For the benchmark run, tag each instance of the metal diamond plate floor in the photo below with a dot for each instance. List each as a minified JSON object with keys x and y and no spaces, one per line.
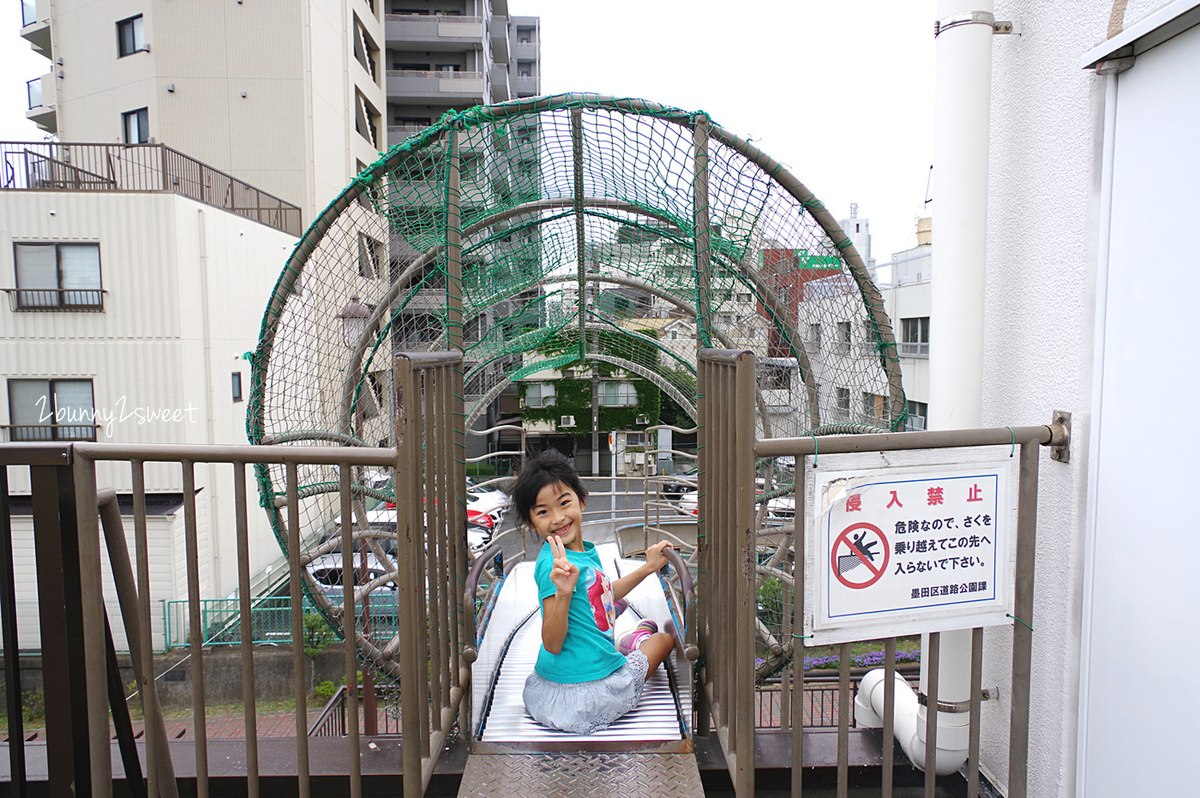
{"x":584,"y":774}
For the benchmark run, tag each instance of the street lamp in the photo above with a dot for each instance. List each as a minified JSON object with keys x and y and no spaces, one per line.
{"x":354,"y":321}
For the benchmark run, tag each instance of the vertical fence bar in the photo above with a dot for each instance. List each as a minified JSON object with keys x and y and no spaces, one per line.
{"x":799,"y":540}
{"x":61,"y":634}
{"x":299,"y":669}
{"x":465,"y":625}
{"x":12,"y":668}
{"x":195,"y":627}
{"x":744,"y":473}
{"x":931,"y":711}
{"x":420,"y":629}
{"x":246,"y":610}
{"x":445,"y":582}
{"x":976,"y":694}
{"x":705,"y":584}
{"x":94,"y":620}
{"x":889,"y":715}
{"x":843,"y":727}
{"x":408,"y":450}
{"x":435,"y":506}
{"x":1018,"y":740}
{"x":349,"y":634}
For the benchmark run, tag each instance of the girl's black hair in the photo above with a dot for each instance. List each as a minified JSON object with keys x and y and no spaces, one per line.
{"x":551,"y":467}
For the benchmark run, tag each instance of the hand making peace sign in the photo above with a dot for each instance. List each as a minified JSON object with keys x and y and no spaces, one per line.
{"x":563,"y":573}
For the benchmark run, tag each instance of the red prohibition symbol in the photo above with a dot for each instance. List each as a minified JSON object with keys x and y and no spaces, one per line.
{"x":858,"y":560}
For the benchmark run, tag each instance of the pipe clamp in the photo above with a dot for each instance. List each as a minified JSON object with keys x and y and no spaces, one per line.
{"x":951,"y":707}
{"x":975,"y":18}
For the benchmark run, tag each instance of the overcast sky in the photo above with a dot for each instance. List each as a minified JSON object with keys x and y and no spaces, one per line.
{"x":840,"y":92}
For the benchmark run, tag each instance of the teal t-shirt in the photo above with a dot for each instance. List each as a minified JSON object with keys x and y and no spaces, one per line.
{"x":588,"y":650}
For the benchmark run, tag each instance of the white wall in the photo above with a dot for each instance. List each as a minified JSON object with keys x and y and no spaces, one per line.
{"x":1038,"y":347}
{"x":186,"y":288}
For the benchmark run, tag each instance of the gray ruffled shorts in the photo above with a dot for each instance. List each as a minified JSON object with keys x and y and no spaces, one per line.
{"x":586,"y":707}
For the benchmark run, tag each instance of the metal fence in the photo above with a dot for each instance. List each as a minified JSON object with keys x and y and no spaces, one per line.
{"x":728,"y":446}
{"x":57,"y":166}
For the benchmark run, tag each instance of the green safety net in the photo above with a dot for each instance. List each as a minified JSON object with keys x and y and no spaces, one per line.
{"x":590,"y":231}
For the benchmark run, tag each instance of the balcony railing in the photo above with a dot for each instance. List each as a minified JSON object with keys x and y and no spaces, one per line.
{"x":55,"y":299}
{"x":914,"y":349}
{"x":55,"y":166}
{"x":434,"y":73}
{"x":32,"y":433}
{"x":33,"y":89}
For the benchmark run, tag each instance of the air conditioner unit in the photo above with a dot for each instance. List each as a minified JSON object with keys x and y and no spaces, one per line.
{"x":566,"y":421}
{"x":641,"y":420}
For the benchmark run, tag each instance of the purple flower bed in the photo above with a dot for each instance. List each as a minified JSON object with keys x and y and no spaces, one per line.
{"x":871,"y":659}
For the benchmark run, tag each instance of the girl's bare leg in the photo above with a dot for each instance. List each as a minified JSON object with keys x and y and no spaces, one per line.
{"x":657,"y":647}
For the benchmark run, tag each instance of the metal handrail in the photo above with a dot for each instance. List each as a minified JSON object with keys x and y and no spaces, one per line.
{"x":55,"y":299}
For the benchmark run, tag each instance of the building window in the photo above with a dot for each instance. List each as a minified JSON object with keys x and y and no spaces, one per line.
{"x":539,"y":394}
{"x":814,"y":337}
{"x":917,"y":413}
{"x":774,"y":376}
{"x":236,"y":384}
{"x":130,"y":37}
{"x":135,"y":126}
{"x":366,"y":119}
{"x":51,"y":410}
{"x":841,"y":400}
{"x":524,"y":35}
{"x":874,"y":407}
{"x":370,"y":255}
{"x":843,"y":338}
{"x":914,"y":337}
{"x":618,"y":394}
{"x":57,"y":277}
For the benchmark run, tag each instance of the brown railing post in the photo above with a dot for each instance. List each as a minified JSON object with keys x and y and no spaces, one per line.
{"x":726,"y":512}
{"x":12,"y":669}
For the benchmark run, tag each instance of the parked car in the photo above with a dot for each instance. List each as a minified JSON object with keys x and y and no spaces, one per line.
{"x":781,"y":508}
{"x":673,"y":487}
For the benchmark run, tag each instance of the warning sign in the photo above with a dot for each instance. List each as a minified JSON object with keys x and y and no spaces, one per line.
{"x":924,"y":541}
{"x":850,"y":551}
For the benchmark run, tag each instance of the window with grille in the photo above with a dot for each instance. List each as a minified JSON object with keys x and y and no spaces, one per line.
{"x":57,"y":277}
{"x":51,"y":410}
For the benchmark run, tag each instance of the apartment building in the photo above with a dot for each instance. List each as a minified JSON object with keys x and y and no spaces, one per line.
{"x":286,"y":97}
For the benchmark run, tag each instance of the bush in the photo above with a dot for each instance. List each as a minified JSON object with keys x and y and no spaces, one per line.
{"x":325,"y":691}
{"x":317,"y":634}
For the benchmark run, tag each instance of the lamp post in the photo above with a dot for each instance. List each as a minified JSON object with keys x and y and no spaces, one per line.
{"x":354,"y":323}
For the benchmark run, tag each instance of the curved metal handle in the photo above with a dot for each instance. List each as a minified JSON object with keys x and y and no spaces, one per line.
{"x":469,"y":652}
{"x":690,"y":650}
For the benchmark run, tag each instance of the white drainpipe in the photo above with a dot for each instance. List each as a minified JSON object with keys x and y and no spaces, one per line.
{"x":962,"y":115}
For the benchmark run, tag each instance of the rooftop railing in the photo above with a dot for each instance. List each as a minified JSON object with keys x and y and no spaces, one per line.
{"x":57,"y":166}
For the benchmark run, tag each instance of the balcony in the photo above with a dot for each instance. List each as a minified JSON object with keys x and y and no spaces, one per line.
{"x":57,"y":166}
{"x":434,"y":32}
{"x":499,"y":34}
{"x":50,"y":299}
{"x":411,"y":84}
{"x":524,"y":86}
{"x":500,"y":88}
{"x":41,"y":433}
{"x":35,"y":25}
{"x":914,"y":349}
{"x":399,"y":133}
{"x":525,"y":50}
{"x":43,"y":98}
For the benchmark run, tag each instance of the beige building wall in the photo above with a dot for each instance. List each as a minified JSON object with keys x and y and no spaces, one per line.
{"x":185,"y":287}
{"x":266,"y":92}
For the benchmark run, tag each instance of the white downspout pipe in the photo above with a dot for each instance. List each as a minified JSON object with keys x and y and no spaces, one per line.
{"x":962,"y":117}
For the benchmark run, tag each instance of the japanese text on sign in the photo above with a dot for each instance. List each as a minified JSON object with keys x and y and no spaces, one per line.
{"x":913,"y":546}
